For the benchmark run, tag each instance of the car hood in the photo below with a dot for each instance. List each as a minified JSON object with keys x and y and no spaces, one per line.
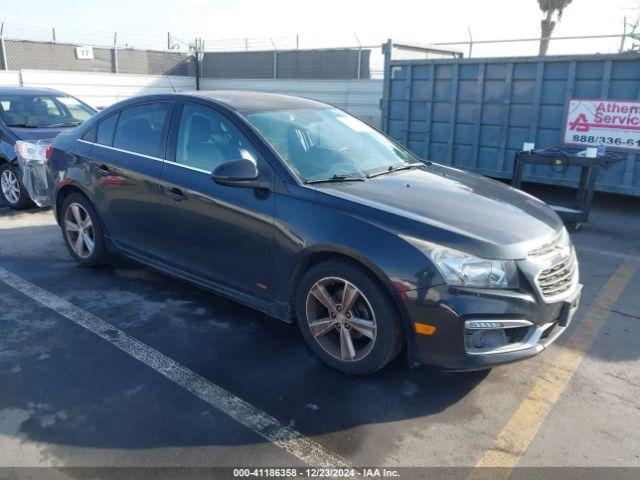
{"x":38,"y":133}
{"x":451,"y":207}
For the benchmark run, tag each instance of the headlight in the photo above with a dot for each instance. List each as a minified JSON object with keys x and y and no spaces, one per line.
{"x":463,"y":269}
{"x":34,"y":151}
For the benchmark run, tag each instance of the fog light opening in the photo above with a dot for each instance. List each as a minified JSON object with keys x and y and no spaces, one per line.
{"x":488,"y":336}
{"x":477,"y":339}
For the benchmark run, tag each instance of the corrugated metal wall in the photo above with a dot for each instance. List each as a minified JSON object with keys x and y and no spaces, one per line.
{"x":476,"y":113}
{"x":358,"y":97}
{"x":98,"y":89}
{"x":9,"y":79}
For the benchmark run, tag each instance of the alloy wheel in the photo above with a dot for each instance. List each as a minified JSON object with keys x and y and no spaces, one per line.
{"x":341,"y":319}
{"x":78,"y":228}
{"x":10,"y":186}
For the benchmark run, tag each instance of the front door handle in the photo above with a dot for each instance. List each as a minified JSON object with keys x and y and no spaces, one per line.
{"x":176,"y":195}
{"x":104,"y":170}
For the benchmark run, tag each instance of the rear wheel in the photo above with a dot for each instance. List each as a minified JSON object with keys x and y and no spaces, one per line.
{"x":83,"y":232}
{"x":347,"y":318}
{"x":13,"y":192}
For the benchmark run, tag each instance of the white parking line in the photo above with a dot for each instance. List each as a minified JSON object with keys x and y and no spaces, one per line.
{"x":263,"y":424}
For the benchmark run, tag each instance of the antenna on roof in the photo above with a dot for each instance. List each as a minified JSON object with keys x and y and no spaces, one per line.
{"x":172,"y":87}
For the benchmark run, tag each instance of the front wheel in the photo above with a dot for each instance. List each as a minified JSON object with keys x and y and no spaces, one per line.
{"x":347,"y":318}
{"x":13,"y":192}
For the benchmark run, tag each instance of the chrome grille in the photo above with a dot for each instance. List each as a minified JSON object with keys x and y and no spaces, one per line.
{"x":544,"y":249}
{"x":558,"y":278}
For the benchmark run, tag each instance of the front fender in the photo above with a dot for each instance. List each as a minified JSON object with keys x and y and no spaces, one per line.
{"x":306,"y":227}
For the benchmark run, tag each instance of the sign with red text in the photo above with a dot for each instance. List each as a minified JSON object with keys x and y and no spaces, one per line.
{"x":612,"y":123}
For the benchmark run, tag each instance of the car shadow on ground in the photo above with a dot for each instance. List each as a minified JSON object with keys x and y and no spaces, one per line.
{"x":6,"y":211}
{"x":72,"y":385}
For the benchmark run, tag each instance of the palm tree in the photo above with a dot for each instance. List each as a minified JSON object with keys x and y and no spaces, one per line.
{"x":549,"y":8}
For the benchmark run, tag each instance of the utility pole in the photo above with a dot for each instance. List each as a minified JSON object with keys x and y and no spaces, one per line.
{"x":624,"y":35}
{"x":275,"y":58}
{"x":198,"y":55}
{"x":115,"y":52}
{"x":3,"y":52}
{"x":359,"y":69}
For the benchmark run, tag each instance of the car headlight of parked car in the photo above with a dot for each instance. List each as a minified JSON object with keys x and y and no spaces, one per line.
{"x":465,"y":270}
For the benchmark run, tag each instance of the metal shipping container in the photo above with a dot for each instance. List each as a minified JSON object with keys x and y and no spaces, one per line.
{"x":476,"y":113}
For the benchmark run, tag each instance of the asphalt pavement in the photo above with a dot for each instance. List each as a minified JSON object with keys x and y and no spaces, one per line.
{"x":124,"y":366}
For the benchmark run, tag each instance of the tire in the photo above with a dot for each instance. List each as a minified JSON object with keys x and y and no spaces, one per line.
{"x":372,"y":303}
{"x":75,"y":204}
{"x":12,"y":187}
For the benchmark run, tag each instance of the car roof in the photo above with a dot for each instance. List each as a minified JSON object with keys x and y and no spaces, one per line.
{"x":245,"y":101}
{"x":29,"y":91}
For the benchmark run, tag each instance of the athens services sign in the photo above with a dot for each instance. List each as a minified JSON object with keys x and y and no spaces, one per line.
{"x":613,"y":123}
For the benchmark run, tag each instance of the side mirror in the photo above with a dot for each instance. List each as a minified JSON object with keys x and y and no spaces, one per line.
{"x":236,"y":173}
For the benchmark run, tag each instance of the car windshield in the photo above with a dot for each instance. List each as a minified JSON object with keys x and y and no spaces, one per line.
{"x":43,"y":111}
{"x":327,"y":143}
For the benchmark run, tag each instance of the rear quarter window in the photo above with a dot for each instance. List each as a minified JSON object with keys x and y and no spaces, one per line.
{"x":91,"y":134}
{"x":105,"y":130}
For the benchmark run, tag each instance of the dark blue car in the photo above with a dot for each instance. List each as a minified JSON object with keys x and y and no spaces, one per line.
{"x":300,"y":210}
{"x":30,"y":115}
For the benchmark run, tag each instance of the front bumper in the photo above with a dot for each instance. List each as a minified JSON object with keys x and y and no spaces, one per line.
{"x":459,"y":314}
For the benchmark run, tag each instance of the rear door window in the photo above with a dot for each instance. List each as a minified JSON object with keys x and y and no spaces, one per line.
{"x":140,"y":128}
{"x":105,"y":130}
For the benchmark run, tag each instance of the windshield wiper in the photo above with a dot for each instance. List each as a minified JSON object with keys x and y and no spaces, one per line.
{"x":396,"y":168}
{"x":21,"y":125}
{"x":54,"y":125}
{"x":337,"y":178}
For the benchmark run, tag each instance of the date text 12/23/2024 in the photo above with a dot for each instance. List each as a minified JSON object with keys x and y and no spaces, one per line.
{"x":311,"y":472}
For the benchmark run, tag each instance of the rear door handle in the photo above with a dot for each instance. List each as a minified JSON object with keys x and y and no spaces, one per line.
{"x":177,"y":195}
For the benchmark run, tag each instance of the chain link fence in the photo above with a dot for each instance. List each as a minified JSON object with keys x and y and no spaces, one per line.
{"x":153,"y":62}
{"x":37,"y":48}
{"x":329,"y":57}
{"x":340,"y":64}
{"x":33,"y":55}
{"x":25,"y":47}
{"x":340,"y":57}
{"x":28,"y":55}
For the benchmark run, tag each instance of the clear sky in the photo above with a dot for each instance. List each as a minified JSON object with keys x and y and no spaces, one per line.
{"x":320,"y":21}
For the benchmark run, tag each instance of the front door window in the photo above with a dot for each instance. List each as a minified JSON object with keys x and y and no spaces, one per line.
{"x":206,"y":139}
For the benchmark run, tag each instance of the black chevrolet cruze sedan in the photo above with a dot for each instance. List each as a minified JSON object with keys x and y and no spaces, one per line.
{"x":300,"y":210}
